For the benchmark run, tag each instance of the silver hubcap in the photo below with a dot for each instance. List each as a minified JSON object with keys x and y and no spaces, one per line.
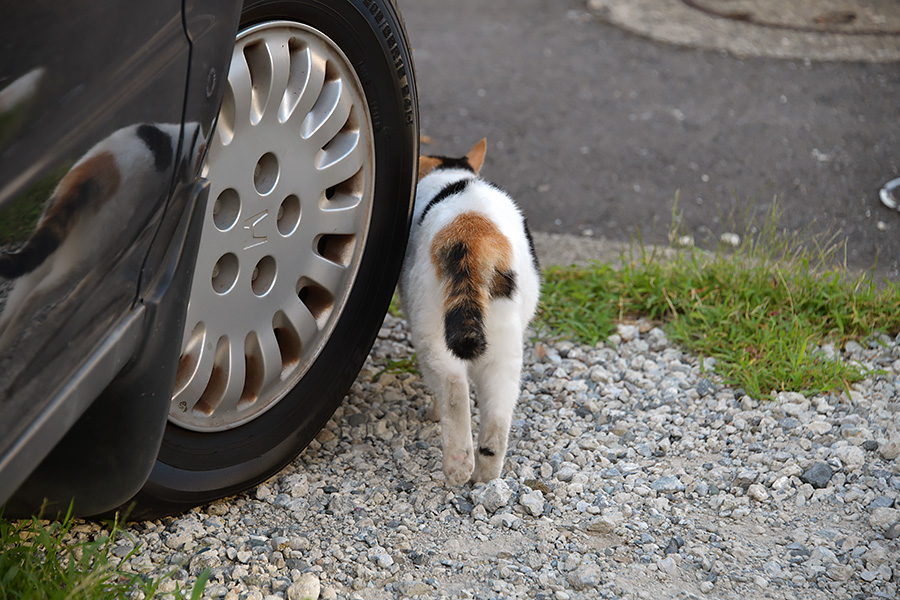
{"x":291,"y":167}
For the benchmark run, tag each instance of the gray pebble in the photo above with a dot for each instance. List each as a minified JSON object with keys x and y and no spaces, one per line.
{"x":818,"y":475}
{"x":493,"y":495}
{"x":705,"y":387}
{"x":667,"y":484}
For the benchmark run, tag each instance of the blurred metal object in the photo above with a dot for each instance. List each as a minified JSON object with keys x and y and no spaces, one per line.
{"x":888,"y":194}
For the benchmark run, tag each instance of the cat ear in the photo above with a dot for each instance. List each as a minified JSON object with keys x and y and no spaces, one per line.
{"x":476,"y":155}
{"x":426,"y":165}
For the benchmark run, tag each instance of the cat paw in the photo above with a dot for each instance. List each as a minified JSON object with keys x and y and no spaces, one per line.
{"x":458,"y":468}
{"x":488,"y":468}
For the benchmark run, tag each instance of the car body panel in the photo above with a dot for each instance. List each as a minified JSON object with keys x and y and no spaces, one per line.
{"x":130,"y":63}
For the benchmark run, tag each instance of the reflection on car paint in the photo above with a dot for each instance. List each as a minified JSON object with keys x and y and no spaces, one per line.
{"x":90,"y":215}
{"x":14,"y":102}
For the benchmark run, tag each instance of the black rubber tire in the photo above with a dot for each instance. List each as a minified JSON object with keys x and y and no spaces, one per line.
{"x":195,"y":468}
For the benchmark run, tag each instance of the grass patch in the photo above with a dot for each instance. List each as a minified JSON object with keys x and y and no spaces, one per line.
{"x":762,"y":310}
{"x":41,"y":560}
{"x":395,"y":367}
{"x":22,"y":215}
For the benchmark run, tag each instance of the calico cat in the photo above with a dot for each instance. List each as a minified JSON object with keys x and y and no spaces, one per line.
{"x":91,"y":213}
{"x":469,"y":287}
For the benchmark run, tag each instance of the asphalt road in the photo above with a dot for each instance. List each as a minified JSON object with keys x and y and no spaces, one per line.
{"x":596,"y":131}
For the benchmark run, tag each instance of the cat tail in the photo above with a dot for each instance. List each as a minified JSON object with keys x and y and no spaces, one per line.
{"x":473,"y":259}
{"x":88,"y":183}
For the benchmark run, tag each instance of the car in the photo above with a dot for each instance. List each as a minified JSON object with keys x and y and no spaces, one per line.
{"x":204,"y":208}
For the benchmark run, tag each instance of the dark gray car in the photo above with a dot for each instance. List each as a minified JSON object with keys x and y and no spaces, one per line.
{"x":203,"y":212}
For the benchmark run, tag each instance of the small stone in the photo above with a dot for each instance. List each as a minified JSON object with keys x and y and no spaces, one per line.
{"x":674,"y":545}
{"x":122,"y":549}
{"x":205,"y":560}
{"x":731,"y":239}
{"x":357,"y":419}
{"x":566,"y":472}
{"x":705,"y":387}
{"x":493,"y":495}
{"x":585,"y":577}
{"x":533,"y":503}
{"x":657,"y":339}
{"x":852,"y":457}
{"x":893,"y":532}
{"x":382,"y":559}
{"x":882,"y":518}
{"x":706,"y":586}
{"x":818,"y":475}
{"x":307,"y":587}
{"x":839,"y":572}
{"x":818,"y":427}
{"x":758,"y":492}
{"x":868,"y":575}
{"x":507,"y":520}
{"x":882,"y":502}
{"x":604,"y":524}
{"x":788,"y":423}
{"x":667,"y":565}
{"x":479,"y":513}
{"x":263,"y":492}
{"x":772,"y":569}
{"x":340,"y":505}
{"x":667,"y":485}
{"x":823,"y":555}
{"x":627,"y":332}
{"x":745,"y":477}
{"x":875,"y":555}
{"x":890,"y":448}
{"x":463,"y":506}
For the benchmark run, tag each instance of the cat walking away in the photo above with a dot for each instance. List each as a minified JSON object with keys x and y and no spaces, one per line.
{"x":469,"y":287}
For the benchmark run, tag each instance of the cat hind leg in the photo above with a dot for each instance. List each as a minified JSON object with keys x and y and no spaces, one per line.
{"x":451,"y":389}
{"x":497,"y":386}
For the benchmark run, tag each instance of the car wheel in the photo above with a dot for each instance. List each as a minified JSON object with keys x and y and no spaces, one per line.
{"x":311,"y":171}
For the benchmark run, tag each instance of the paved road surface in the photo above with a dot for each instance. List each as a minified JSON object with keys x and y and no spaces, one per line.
{"x":596,"y":131}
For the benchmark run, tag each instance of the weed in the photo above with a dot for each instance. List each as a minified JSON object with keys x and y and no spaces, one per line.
{"x":43,"y":560}
{"x":762,"y":311}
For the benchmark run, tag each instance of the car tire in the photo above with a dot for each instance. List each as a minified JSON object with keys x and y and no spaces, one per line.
{"x":207,"y":454}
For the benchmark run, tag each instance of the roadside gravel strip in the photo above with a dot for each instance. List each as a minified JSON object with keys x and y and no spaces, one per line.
{"x":631,"y":473}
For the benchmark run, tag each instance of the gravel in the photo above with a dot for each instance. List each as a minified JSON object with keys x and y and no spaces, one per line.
{"x":632,"y":472}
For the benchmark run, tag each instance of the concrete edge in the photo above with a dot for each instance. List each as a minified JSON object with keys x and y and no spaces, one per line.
{"x":675,"y":23}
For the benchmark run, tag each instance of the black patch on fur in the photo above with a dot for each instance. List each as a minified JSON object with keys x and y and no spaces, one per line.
{"x":451,"y":189}
{"x":454,"y":163}
{"x":464,"y":331}
{"x":159,"y":143}
{"x":464,"y":322}
{"x":534,"y":258}
{"x":503,"y":285}
{"x":454,"y":266}
{"x":49,"y":234}
{"x":486,"y":451}
{"x":41,"y":245}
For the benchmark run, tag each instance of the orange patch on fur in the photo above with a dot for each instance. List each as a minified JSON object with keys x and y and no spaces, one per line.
{"x":426,"y":165}
{"x":487,"y":247}
{"x":104,"y":172}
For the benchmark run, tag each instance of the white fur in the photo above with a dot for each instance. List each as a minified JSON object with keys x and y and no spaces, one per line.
{"x":495,"y":374}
